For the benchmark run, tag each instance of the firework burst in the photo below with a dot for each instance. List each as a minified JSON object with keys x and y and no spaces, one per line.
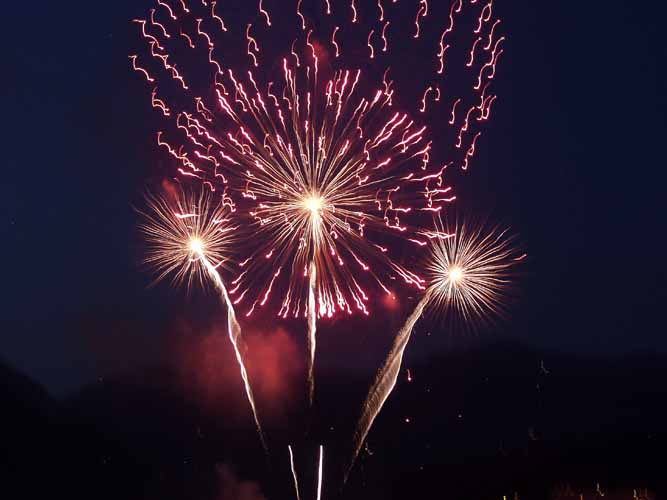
{"x":471,"y":271}
{"x":331,"y":170}
{"x":179,"y":232}
{"x":330,"y":173}
{"x":327,"y":177}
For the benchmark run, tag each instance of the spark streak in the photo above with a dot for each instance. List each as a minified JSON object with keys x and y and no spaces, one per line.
{"x":385,"y":42}
{"x":333,"y":40}
{"x":319,"y":474}
{"x":296,"y":482}
{"x":141,"y":70}
{"x":264,"y":13}
{"x":370,"y":44}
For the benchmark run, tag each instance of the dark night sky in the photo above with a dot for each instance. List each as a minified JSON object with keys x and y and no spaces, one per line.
{"x":573,"y":161}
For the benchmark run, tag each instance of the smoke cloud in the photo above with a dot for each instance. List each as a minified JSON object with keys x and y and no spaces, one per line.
{"x":232,"y":487}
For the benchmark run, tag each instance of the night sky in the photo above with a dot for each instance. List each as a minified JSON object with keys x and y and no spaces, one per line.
{"x":115,"y":389}
{"x":573,"y":161}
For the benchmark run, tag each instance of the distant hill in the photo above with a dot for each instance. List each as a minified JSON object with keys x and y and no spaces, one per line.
{"x":474,"y":425}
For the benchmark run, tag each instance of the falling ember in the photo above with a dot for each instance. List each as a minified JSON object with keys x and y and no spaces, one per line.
{"x":190,"y":239}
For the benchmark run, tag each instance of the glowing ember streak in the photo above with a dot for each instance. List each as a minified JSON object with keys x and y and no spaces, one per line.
{"x":420,"y":13}
{"x":300,"y":14}
{"x":333,"y":40}
{"x":426,"y":92}
{"x":203,"y":34}
{"x":264,"y":13}
{"x":187,"y":37}
{"x":184,"y":239}
{"x":291,"y":461}
{"x":159,"y":25}
{"x":168,"y":8}
{"x":472,"y":52}
{"x":141,"y":70}
{"x":370,"y":45}
{"x":453,"y":119}
{"x":441,"y":58}
{"x":469,"y":274}
{"x":384,"y":37}
{"x":217,"y":17}
{"x":471,"y":151}
{"x":159,"y":103}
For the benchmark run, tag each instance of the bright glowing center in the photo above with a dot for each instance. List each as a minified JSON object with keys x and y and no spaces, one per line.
{"x":196,"y":245}
{"x":314,"y":205}
{"x":455,"y":274}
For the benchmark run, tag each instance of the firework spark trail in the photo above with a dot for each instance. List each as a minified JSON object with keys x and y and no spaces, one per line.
{"x":319,"y":473}
{"x":184,"y":237}
{"x":234,"y":330}
{"x":385,"y":380}
{"x":296,"y":482}
{"x":469,"y":273}
{"x":312,"y":330}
